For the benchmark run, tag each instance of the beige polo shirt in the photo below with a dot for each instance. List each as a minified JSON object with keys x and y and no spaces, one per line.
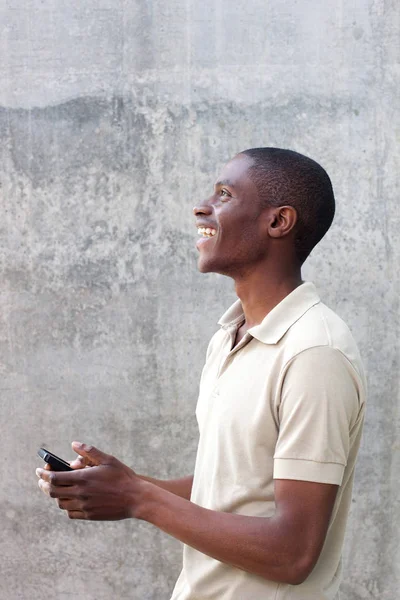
{"x":286,"y":403}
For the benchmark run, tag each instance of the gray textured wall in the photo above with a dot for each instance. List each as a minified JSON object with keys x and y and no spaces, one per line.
{"x":114,"y":117}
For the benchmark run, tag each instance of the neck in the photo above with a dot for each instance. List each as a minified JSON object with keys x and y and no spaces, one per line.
{"x":259,"y":292}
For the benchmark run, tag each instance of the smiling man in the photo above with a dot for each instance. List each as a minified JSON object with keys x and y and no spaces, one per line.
{"x":280,"y":409}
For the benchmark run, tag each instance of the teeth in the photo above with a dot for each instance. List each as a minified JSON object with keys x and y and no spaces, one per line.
{"x":206,"y":231}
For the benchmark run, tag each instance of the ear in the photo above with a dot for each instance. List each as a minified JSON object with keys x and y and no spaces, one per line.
{"x":282,"y":221}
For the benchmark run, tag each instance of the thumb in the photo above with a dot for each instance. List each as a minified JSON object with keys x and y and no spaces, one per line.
{"x":93,"y":457}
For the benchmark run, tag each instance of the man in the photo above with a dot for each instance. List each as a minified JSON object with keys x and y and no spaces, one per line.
{"x":280,"y":408}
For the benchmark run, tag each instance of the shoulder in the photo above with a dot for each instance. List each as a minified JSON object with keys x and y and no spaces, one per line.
{"x":322,"y":337}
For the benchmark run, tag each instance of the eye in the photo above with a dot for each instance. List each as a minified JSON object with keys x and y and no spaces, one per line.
{"x":224,"y":194}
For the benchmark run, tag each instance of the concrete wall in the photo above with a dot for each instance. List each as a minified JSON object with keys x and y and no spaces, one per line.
{"x":114,"y":117}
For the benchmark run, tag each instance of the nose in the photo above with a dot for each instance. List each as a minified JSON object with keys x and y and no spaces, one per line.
{"x":202,"y":209}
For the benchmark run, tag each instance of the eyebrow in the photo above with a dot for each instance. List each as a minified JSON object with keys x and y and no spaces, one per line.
{"x":224,"y":182}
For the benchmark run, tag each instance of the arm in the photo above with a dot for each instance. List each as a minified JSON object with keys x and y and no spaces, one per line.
{"x":180,"y":487}
{"x":283,"y":548}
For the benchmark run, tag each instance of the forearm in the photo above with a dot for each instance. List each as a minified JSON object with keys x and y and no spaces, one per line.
{"x":180,"y":487}
{"x":263,"y":546}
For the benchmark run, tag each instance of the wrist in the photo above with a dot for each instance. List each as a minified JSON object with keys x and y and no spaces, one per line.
{"x":144,"y":500}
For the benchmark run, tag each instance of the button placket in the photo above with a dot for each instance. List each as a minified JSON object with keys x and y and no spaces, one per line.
{"x":228,"y":358}
{"x":228,"y":344}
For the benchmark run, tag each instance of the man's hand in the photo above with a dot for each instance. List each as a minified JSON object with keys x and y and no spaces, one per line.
{"x":108,"y":490}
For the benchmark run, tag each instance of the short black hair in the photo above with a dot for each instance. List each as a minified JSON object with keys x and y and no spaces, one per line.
{"x":287,"y":178}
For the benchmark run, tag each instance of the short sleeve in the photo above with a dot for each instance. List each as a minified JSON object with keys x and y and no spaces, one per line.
{"x":318,"y":407}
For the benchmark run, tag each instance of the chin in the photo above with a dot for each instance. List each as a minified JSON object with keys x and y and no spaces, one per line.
{"x":203,"y":267}
{"x":208,"y":266}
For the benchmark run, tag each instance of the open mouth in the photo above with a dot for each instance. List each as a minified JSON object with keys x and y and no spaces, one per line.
{"x":206,"y":232}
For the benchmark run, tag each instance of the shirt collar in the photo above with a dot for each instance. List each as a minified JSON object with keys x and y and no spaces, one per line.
{"x":277,"y":322}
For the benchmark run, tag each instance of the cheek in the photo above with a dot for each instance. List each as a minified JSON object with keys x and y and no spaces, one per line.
{"x":249,"y":234}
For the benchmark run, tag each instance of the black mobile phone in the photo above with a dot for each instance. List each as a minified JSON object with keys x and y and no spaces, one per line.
{"x":56,"y":463}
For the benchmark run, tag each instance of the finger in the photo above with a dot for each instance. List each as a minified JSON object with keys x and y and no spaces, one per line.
{"x":80,"y":463}
{"x":70,"y":503}
{"x":76,"y":514}
{"x":58,"y":478}
{"x":93,"y":456}
{"x":43,"y":486}
{"x":65,"y":492}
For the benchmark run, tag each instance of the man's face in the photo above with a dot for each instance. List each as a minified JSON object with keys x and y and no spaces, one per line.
{"x":233,"y":238}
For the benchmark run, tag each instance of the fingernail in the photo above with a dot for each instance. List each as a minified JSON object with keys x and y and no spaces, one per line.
{"x":39,"y":472}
